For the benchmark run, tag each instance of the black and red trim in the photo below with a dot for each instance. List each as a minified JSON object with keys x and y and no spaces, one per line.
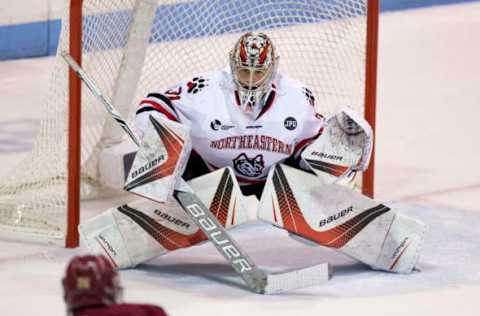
{"x":222,"y":197}
{"x":330,"y":168}
{"x":171,"y":239}
{"x":168,"y":238}
{"x":301,"y":145}
{"x":160,"y":103}
{"x":294,"y":221}
{"x":173,"y":145}
{"x":165,"y":99}
{"x":148,"y":105}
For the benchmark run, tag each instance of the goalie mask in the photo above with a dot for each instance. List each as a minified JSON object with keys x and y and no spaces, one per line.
{"x":90,"y":281}
{"x":253,"y":63}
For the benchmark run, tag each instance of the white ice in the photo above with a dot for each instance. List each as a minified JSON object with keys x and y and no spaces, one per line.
{"x":427,"y":152}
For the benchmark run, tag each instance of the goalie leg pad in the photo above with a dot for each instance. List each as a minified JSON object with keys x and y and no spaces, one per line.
{"x":131,"y":234}
{"x":119,"y":238}
{"x":402,"y":245}
{"x":101,"y":235}
{"x":391,"y":242}
{"x":337,"y":217}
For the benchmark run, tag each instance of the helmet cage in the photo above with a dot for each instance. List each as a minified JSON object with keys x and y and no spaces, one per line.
{"x":253,"y":64}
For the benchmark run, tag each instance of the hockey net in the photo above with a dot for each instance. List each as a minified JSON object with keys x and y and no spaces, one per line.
{"x":131,"y":47}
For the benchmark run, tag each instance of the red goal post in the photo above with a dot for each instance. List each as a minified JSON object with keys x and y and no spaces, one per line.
{"x":371,"y":87}
{"x":74,"y":126}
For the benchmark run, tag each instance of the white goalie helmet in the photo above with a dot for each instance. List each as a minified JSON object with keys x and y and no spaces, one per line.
{"x":253,"y":63}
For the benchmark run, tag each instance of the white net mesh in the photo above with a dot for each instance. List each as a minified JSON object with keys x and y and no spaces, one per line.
{"x":320,"y":42}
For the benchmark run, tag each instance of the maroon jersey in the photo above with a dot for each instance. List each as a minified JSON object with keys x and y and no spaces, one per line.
{"x":122,"y":310}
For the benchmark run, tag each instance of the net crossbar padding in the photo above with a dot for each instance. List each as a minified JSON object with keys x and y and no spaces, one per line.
{"x":133,"y":47}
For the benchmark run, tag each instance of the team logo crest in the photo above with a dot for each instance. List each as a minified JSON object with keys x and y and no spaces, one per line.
{"x":290,"y":123}
{"x":309,"y":95}
{"x":250,"y":167}
{"x":197,"y":84}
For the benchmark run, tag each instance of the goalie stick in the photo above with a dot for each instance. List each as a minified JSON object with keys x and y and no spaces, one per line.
{"x":257,"y":279}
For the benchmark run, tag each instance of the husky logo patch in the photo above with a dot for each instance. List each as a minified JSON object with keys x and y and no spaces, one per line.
{"x":250,"y":167}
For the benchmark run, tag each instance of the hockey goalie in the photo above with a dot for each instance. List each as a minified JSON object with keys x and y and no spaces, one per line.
{"x":250,"y":130}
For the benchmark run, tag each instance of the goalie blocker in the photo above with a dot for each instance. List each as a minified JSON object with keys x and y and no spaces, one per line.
{"x":335,"y":216}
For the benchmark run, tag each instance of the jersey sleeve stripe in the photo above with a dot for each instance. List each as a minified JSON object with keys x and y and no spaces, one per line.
{"x":163,"y":98}
{"x":156,"y":107}
{"x":305,"y":142}
{"x":156,"y":103}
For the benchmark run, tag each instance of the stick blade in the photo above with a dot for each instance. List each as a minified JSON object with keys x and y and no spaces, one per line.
{"x":298,"y":278}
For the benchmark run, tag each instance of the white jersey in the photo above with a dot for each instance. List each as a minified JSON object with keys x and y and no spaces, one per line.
{"x":224,"y":136}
